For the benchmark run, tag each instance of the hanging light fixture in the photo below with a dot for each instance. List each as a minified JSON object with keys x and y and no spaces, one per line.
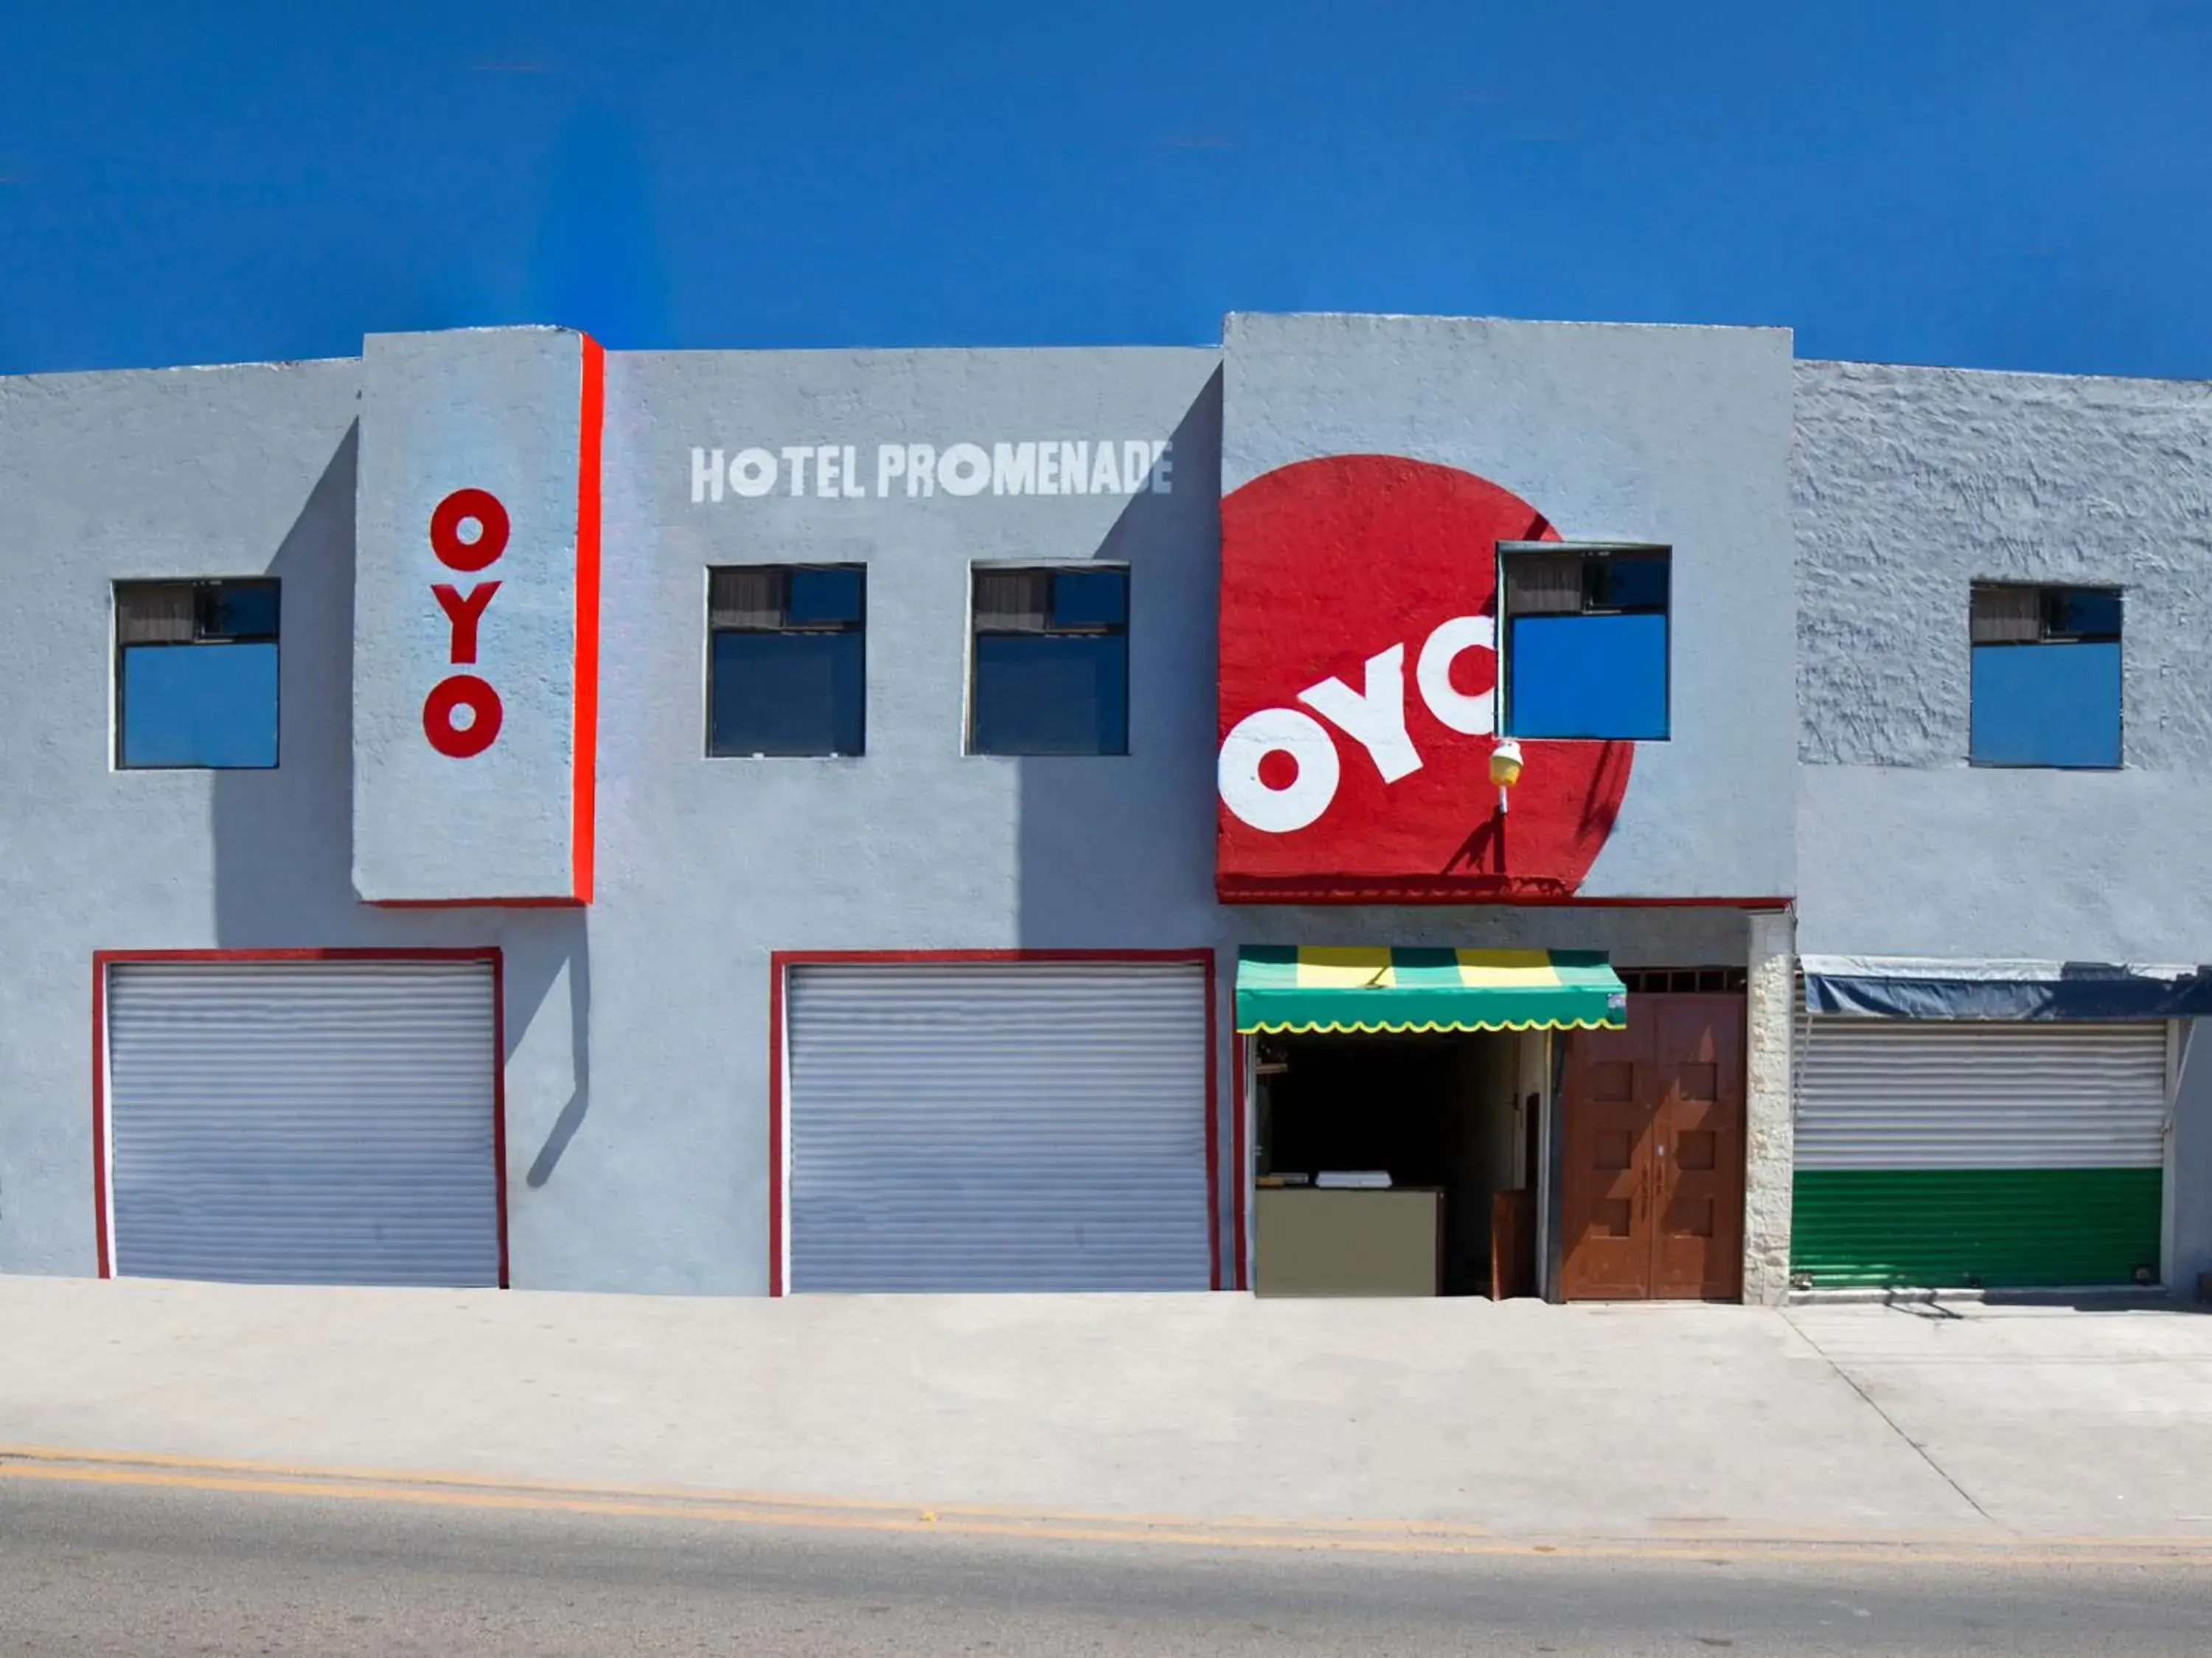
{"x":1505,"y":764}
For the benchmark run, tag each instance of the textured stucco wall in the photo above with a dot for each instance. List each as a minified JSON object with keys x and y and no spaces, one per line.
{"x":184,"y":473}
{"x":1678,"y":435}
{"x":496,"y":409}
{"x":705,"y":866}
{"x":636,"y":1075}
{"x":1909,"y":485}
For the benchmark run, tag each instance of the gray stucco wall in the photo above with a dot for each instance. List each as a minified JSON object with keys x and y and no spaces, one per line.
{"x":184,"y":473}
{"x":637,"y":1071}
{"x":1909,"y":485}
{"x":636,"y":1075}
{"x":497,"y":409}
{"x":1670,"y":434}
{"x":705,"y":866}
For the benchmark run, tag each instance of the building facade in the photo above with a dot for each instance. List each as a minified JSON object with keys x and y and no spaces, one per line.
{"x":1389,"y":805}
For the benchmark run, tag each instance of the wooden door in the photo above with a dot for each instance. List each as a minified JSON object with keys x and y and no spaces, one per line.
{"x":1696,"y":1164}
{"x":1651,"y":1199}
{"x":1605,"y":1204}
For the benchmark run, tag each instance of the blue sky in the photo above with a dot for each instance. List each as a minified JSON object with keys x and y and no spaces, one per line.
{"x":2002,"y":185}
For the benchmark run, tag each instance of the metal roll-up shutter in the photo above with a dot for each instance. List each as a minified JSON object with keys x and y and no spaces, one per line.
{"x":1938,"y":1153}
{"x":303,"y":1122}
{"x":998,"y":1126}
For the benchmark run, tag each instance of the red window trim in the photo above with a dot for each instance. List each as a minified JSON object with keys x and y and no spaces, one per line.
{"x":103,"y":959}
{"x":781,"y":961}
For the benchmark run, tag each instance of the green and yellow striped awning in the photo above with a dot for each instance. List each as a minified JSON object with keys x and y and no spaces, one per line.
{"x":1318,"y":988}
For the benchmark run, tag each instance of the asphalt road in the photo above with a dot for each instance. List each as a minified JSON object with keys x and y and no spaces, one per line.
{"x":89,"y":1568}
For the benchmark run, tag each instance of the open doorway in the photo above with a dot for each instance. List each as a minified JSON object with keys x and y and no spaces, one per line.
{"x":1402,"y":1164}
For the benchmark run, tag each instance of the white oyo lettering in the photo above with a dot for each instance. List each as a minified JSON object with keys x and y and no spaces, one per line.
{"x":1278,"y":731}
{"x":1375,"y":717}
{"x":1474,"y":716}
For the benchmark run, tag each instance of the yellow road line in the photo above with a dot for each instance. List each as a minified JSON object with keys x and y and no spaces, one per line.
{"x":443,"y":1477}
{"x":1407,"y":1538}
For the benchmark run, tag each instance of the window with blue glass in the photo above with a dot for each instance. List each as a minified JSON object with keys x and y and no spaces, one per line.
{"x":2046,"y":676}
{"x":1585,"y":651}
{"x":786,"y":663}
{"x":195,"y":681}
{"x":1051,"y":662}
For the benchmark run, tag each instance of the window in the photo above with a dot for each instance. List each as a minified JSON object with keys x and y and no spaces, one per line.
{"x":196,"y":674}
{"x":2046,"y":676}
{"x":787,"y":669}
{"x":1677,"y":981}
{"x":1585,"y":647}
{"x":1051,"y":662}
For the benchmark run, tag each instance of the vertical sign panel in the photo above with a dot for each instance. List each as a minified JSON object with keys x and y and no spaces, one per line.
{"x":476,"y":617}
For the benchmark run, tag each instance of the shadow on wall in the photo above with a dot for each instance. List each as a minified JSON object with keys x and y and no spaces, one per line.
{"x":1117,"y":851}
{"x":282,"y":839}
{"x":2192,"y":1168}
{"x":530,"y":978}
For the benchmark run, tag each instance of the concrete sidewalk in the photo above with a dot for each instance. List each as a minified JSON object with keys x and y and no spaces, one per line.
{"x":1842,"y":1422}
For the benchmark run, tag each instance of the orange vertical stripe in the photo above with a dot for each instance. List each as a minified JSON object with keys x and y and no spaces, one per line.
{"x":582,"y":828}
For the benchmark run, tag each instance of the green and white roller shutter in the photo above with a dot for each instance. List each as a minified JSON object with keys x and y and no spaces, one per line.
{"x":1971,"y":1153}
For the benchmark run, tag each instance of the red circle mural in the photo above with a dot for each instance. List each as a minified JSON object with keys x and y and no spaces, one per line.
{"x":1358,"y":668}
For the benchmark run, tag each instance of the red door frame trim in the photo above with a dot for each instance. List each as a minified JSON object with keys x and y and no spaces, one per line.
{"x":103,"y":959}
{"x":781,"y":961}
{"x":1242,"y":1153}
{"x":1213,"y":1139}
{"x":1459,"y":891}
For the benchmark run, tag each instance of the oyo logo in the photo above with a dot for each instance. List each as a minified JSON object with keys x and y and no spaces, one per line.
{"x":1359,"y":664}
{"x":1373,"y":716}
{"x":468,"y":533}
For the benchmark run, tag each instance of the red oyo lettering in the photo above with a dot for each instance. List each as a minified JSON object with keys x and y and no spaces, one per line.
{"x":480,"y":507}
{"x":465,"y":611}
{"x":464,"y":616}
{"x":446,"y":698}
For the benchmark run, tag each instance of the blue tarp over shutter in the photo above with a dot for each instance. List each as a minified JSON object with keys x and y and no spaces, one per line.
{"x":1912,"y":987}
